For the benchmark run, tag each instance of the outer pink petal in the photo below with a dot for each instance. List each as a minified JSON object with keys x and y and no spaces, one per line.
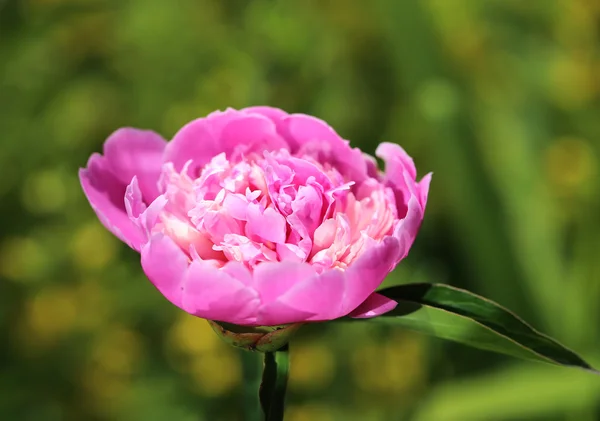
{"x":407,"y":228}
{"x":315,"y":298}
{"x":213,"y":294}
{"x":273,"y":279}
{"x":132,"y":152}
{"x":423,"y":188}
{"x":251,"y":132}
{"x":106,"y":194}
{"x":222,"y":131}
{"x":165,"y":265}
{"x":293,"y":292}
{"x":369,"y":271}
{"x":312,"y":135}
{"x":195,"y":141}
{"x":274,"y":114}
{"x":396,"y":159}
{"x":198,"y":288}
{"x":375,"y":305}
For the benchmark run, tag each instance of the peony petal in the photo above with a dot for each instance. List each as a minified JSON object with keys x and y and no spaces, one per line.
{"x":396,"y":160}
{"x":211,"y":293}
{"x":312,"y":136}
{"x":423,"y":188}
{"x":132,"y":152}
{"x":165,"y":265}
{"x":407,"y":228}
{"x":368,"y":271}
{"x":106,"y":196}
{"x":144,"y":217}
{"x":375,"y":305}
{"x":315,"y":298}
{"x":273,"y":279}
{"x":274,"y":114}
{"x":196,"y":142}
{"x":269,"y":225}
{"x":250,"y":133}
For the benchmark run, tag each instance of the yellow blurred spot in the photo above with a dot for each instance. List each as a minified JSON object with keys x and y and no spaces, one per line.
{"x":314,"y":366}
{"x":93,"y":246}
{"x":216,"y":374}
{"x":93,"y":307}
{"x":49,"y":315}
{"x":310,"y":412}
{"x":44,"y":192}
{"x":114,"y":357}
{"x":570,"y":163}
{"x":391,"y":368}
{"x":571,"y":82}
{"x":22,"y":259}
{"x":104,"y":391}
{"x":118,"y":351}
{"x":192,"y":335}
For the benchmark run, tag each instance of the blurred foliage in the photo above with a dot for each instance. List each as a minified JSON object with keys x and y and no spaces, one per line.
{"x":499,"y":98}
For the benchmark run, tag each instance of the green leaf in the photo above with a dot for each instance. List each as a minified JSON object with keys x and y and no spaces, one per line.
{"x":274,"y":384}
{"x":506,"y":394}
{"x":461,"y":316}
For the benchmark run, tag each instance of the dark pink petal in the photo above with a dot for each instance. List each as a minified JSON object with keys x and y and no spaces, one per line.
{"x":165,"y":265}
{"x":132,"y":152}
{"x":369,"y":271}
{"x":211,"y":293}
{"x":312,"y":136}
{"x":106,"y":196}
{"x":375,"y":305}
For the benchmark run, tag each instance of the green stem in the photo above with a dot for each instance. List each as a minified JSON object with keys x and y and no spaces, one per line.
{"x":251,"y":372}
{"x":274,"y":384}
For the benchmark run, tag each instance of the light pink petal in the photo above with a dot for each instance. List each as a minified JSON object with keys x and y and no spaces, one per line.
{"x":213,"y":294}
{"x":317,"y":298}
{"x":375,"y":305}
{"x":165,"y":265}
{"x":106,"y":193}
{"x":308,"y":209}
{"x":132,"y":152}
{"x":269,"y":225}
{"x":366,"y":273}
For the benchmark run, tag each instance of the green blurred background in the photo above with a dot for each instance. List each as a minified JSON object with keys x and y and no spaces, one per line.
{"x":499,"y":98}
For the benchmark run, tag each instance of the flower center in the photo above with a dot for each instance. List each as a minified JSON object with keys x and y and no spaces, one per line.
{"x":273,"y":207}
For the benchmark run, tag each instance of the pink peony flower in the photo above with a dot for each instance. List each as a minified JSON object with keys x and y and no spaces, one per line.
{"x":259,"y":217}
